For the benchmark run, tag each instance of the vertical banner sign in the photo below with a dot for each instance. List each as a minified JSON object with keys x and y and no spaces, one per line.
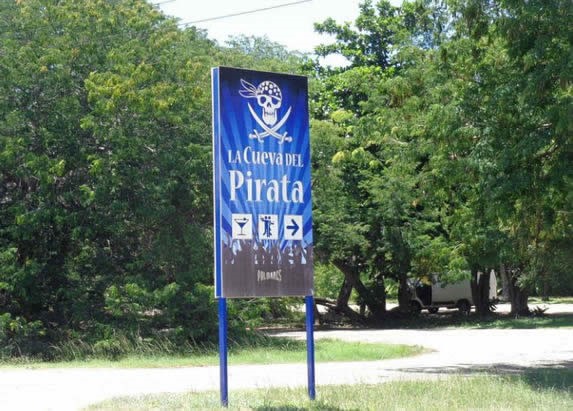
{"x":262,"y":187}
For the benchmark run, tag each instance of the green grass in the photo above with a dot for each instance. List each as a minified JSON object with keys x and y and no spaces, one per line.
{"x":325,"y":350}
{"x":551,"y":300}
{"x":549,"y":321}
{"x":501,"y":321}
{"x":282,"y":351}
{"x":536,"y":390}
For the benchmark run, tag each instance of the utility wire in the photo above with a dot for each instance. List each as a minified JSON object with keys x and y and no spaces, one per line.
{"x":163,"y":2}
{"x":244,"y":12}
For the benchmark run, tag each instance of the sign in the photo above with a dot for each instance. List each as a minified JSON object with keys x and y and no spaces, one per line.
{"x":262,"y":187}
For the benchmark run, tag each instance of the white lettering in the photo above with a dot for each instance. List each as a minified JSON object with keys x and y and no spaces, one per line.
{"x":269,"y":275}
{"x":259,"y":188}
{"x":297,"y":193}
{"x":265,"y":158}
{"x":284,"y":185}
{"x":274,"y":191}
{"x":249,"y":185}
{"x":246,"y":156}
{"x":237,"y":181}
{"x":234,"y":158}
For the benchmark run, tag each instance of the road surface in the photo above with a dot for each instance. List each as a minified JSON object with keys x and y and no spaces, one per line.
{"x":452,"y":351}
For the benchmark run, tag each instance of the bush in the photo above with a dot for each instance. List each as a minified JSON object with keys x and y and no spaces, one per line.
{"x":18,"y":336}
{"x":327,"y":280}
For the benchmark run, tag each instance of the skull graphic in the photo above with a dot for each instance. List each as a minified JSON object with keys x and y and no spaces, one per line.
{"x":269,"y":97}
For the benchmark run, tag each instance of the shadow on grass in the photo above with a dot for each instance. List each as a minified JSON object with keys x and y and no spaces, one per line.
{"x":546,"y":321}
{"x":544,"y":376}
{"x":447,"y":318}
{"x":492,"y":321}
{"x":316,"y":405}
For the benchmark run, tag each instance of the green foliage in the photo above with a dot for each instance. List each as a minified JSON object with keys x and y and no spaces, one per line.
{"x":370,"y":44}
{"x":18,"y":335}
{"x":327,"y":280}
{"x":521,"y":128}
{"x":251,"y":52}
{"x":444,"y":146}
{"x":457,"y":118}
{"x":105,"y":171}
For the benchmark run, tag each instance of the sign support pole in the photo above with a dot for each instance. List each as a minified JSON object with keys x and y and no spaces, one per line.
{"x":309,"y":299}
{"x":223,"y":351}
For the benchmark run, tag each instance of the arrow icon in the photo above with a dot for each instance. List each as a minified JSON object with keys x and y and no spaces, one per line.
{"x":294,"y":227}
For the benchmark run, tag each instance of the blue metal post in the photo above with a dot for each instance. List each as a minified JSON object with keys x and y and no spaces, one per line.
{"x":310,"y":345}
{"x":223,"y":351}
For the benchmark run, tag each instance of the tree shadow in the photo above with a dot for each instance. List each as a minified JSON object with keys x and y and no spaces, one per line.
{"x":452,"y":318}
{"x":541,"y":376}
{"x":546,"y":378}
{"x":316,"y":405}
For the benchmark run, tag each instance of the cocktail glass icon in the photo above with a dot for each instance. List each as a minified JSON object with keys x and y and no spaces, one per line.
{"x":241,"y":222}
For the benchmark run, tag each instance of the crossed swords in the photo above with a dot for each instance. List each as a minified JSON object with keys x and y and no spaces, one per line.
{"x":270,"y":131}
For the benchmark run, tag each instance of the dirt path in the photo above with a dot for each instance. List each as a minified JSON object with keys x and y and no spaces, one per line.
{"x":455,"y":351}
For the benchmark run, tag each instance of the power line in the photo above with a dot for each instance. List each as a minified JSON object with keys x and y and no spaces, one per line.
{"x":244,"y":12}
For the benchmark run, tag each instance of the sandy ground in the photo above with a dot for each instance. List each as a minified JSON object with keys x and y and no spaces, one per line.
{"x":453,"y":351}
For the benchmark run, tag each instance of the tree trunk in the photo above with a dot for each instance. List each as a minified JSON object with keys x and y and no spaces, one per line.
{"x":480,"y":290}
{"x":517,"y":296}
{"x":344,"y":294}
{"x":483,"y":307}
{"x":505,"y":280}
{"x":404,"y":293}
{"x":347,"y":311}
{"x":352,"y":276}
{"x":317,"y":315}
{"x":519,"y":304}
{"x":546,"y":286}
{"x":381,"y":292}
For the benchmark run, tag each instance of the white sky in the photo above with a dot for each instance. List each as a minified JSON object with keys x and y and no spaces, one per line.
{"x":291,"y":26}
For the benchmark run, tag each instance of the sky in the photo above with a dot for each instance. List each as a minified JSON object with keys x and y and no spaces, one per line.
{"x":291,"y":26}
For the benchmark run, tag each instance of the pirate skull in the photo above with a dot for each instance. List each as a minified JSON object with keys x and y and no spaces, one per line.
{"x":269,"y":97}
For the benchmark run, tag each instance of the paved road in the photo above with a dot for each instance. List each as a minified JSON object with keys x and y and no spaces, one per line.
{"x":454,"y":351}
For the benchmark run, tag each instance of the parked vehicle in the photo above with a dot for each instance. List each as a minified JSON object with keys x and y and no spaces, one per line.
{"x":431,"y":295}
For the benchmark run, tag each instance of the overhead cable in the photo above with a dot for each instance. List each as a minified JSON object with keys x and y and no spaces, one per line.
{"x":244,"y":12}
{"x":163,"y":2}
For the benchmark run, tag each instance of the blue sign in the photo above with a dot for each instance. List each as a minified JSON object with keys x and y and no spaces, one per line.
{"x":262,"y":187}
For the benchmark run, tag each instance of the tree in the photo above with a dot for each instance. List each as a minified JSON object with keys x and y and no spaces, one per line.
{"x":466,"y":109}
{"x":341,"y":233}
{"x":382,"y":164}
{"x":105,"y":174}
{"x":104,"y":178}
{"x":518,"y":103}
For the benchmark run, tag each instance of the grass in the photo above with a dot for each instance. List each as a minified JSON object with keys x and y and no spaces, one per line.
{"x":549,"y":321}
{"x":542,"y":389}
{"x":550,"y":300}
{"x":454,"y":319}
{"x":282,"y":350}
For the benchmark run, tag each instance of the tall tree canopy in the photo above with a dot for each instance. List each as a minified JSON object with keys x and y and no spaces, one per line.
{"x":444,"y":146}
{"x":104,"y":145}
{"x":457,"y":118}
{"x":105,"y":181}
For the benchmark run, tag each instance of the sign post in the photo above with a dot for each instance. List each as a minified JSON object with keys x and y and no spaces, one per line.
{"x":309,"y":302}
{"x":223,"y":352}
{"x":262,"y":193}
